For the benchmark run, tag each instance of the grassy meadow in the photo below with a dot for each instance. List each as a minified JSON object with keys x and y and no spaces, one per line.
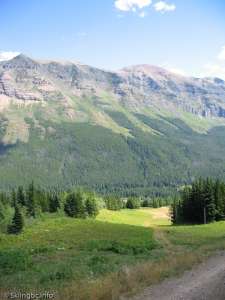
{"x":145,"y":217}
{"x":119,"y":252}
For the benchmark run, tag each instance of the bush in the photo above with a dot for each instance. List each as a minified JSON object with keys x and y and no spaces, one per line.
{"x":30,"y":201}
{"x":99,"y":265}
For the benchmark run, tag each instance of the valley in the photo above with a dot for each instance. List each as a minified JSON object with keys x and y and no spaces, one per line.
{"x":112,"y":150}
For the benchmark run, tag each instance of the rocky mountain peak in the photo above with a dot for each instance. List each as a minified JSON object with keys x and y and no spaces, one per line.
{"x":21,"y":61}
{"x":136,"y":88}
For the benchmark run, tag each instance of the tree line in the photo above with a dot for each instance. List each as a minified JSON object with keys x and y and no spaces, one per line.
{"x":202,"y":202}
{"x":117,"y":203}
{"x":32,"y":201}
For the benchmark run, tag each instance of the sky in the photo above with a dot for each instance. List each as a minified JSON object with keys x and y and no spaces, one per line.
{"x":184,"y":36}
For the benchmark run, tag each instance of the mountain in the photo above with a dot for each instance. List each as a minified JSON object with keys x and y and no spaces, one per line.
{"x":141,"y":129}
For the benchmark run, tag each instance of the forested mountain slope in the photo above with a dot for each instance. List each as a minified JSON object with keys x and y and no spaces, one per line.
{"x":139,"y":130}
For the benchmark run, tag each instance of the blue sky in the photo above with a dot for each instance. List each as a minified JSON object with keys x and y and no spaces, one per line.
{"x":186,"y":36}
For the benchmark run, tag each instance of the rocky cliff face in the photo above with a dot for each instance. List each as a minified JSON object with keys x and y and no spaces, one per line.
{"x":10,"y":90}
{"x":151,"y":86}
{"x":136,"y":87}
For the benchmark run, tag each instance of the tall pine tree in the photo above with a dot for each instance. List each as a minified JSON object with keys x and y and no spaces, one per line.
{"x":91,"y":206}
{"x":30,"y":200}
{"x":17,"y":224}
{"x":20,"y":196}
{"x":75,"y":205}
{"x":54,"y":202}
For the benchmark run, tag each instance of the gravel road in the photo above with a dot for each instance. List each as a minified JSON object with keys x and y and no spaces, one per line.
{"x":203,"y":282}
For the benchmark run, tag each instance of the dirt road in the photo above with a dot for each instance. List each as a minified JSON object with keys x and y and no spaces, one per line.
{"x":203,"y":282}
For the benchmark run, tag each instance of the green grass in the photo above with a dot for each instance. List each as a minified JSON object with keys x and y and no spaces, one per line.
{"x":140,"y":217}
{"x":57,"y":250}
{"x":197,"y":236}
{"x":118,"y":252}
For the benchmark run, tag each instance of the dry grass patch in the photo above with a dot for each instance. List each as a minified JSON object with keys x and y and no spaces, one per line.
{"x":131,"y":280}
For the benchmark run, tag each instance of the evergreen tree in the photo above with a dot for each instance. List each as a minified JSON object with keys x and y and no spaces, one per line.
{"x":4,"y":204}
{"x":54,"y":203}
{"x":17,"y":224}
{"x":75,"y":205}
{"x":41,"y":200}
{"x":13,"y":197}
{"x":209,"y":201}
{"x":155,"y":203}
{"x":160,"y":202}
{"x":203,"y":202}
{"x":219,"y":200}
{"x":133,"y":203}
{"x":4,"y":199}
{"x":173,"y":212}
{"x":91,"y":206}
{"x":145,"y":203}
{"x":30,"y":201}
{"x":114,"y":203}
{"x":20,"y":196}
{"x":2,"y":211}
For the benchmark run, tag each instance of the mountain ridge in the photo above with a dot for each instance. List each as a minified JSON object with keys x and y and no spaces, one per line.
{"x":76,"y":62}
{"x":139,"y":130}
{"x":204,"y":97}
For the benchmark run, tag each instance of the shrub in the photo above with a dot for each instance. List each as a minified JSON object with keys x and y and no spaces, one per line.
{"x":99,"y":264}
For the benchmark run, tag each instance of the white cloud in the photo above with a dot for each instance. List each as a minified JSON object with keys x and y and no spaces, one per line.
{"x":214,"y":70}
{"x":132,"y":5}
{"x":221,"y":55}
{"x":163,"y":7}
{"x":7,"y":55}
